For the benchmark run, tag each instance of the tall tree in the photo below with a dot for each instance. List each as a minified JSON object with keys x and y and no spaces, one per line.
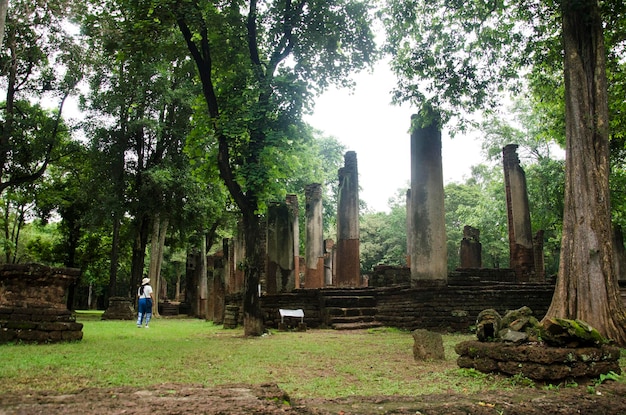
{"x":148,"y":92}
{"x":460,"y":49}
{"x":39,"y":60}
{"x":587,"y":276}
{"x":259,"y":64}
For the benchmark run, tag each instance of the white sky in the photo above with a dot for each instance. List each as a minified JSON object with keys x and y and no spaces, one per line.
{"x":367,"y":123}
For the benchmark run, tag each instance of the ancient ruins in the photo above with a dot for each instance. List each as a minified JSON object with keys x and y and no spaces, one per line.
{"x":326,"y":283}
{"x":33,"y":304}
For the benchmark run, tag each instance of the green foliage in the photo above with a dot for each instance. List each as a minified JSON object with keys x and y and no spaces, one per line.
{"x":545,"y":175}
{"x":479,"y":203}
{"x":39,"y":63}
{"x":459,"y":56}
{"x":383,"y":236}
{"x":519,"y":379}
{"x":608,"y":376}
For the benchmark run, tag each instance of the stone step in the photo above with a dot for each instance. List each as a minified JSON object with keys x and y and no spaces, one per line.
{"x":353,"y":301}
{"x":168,"y":309}
{"x":351,"y":319}
{"x":347,"y":292}
{"x":350,"y":311}
{"x":357,"y":325}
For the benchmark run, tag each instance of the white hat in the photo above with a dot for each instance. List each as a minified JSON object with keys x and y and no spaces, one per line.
{"x":145,"y":281}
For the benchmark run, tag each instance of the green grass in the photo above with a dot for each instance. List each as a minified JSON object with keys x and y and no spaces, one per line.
{"x":316,"y":363}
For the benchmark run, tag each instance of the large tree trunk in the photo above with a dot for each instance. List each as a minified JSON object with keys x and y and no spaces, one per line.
{"x":252,"y":316}
{"x":139,"y":255}
{"x":587,"y":287}
{"x":203,"y":293}
{"x":159,"y":231}
{"x":114,"y":259}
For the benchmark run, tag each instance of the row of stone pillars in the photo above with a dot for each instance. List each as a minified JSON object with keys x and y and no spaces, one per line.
{"x":426,"y":235}
{"x":325,"y":263}
{"x":328,"y":264}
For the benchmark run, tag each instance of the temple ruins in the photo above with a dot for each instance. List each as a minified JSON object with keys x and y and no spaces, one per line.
{"x":326,"y":283}
{"x":314,"y":255}
{"x":347,"y":262}
{"x":426,"y":216}
{"x":518,"y":215}
{"x":33,"y":307}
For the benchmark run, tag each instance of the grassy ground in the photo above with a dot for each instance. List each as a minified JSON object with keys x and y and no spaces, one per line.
{"x":316,"y":363}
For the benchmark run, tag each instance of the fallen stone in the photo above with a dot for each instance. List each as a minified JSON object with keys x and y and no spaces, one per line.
{"x":427,"y":345}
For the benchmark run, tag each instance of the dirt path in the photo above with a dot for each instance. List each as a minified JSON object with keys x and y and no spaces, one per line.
{"x":268,"y":399}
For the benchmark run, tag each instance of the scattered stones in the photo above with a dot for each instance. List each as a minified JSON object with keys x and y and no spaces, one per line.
{"x":570,"y":333}
{"x":557,"y":349}
{"x":538,"y":361}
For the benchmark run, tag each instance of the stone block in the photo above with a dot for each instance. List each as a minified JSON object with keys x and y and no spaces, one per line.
{"x":427,"y":345}
{"x":20,"y":325}
{"x":539,"y":362}
{"x":7,"y":335}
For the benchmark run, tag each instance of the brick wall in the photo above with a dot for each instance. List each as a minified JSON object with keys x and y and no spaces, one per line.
{"x":448,"y":308}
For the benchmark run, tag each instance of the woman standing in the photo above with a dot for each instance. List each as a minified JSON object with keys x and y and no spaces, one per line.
{"x":145,"y":302}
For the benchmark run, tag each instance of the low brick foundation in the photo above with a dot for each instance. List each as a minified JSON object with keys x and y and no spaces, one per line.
{"x":38,"y":325}
{"x":32,"y":304}
{"x":537,"y":361}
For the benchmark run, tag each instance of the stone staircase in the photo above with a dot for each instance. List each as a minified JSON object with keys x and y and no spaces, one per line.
{"x":349,"y":309}
{"x":168,"y":309}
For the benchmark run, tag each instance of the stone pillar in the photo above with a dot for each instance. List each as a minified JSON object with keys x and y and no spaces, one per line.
{"x":518,"y":216}
{"x":429,"y":255}
{"x":348,"y":266}
{"x":234,"y":255}
{"x":314,"y":255}
{"x":239,"y":258}
{"x":191,"y":282}
{"x":408,"y":228}
{"x":217,"y":290}
{"x":280,"y":249}
{"x":470,"y":254}
{"x":294,"y":215}
{"x":329,"y":258}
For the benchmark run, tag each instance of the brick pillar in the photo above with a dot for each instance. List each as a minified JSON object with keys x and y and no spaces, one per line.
{"x":314,"y":256}
{"x":429,"y":254}
{"x":236,"y":258}
{"x":294,"y":213}
{"x":470,"y":253}
{"x":279,"y":250}
{"x":518,"y":216}
{"x":348,"y":266}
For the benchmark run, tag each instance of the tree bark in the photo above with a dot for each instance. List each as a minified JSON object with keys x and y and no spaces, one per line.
{"x":139,"y":255}
{"x":252,"y":316}
{"x":203,"y":287}
{"x":159,"y":231}
{"x":587,"y":287}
